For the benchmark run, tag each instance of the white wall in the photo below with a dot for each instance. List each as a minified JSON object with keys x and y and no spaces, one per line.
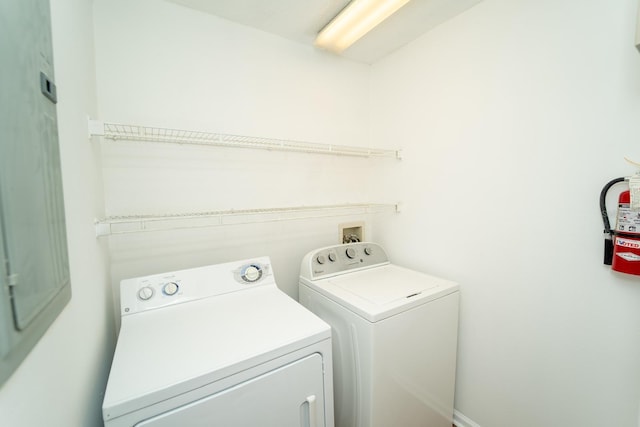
{"x":513,"y":116}
{"x":61,"y":381}
{"x":164,"y":65}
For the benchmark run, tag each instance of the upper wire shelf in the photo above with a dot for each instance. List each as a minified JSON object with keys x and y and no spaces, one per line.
{"x":125,"y":132}
{"x":144,"y":223}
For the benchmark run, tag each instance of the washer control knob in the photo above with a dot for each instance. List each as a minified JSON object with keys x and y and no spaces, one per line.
{"x":351,"y":253}
{"x":368,"y":250}
{"x":320,"y":259}
{"x":251,"y":273}
{"x":170,"y":288}
{"x":145,"y":293}
{"x":332,"y":257}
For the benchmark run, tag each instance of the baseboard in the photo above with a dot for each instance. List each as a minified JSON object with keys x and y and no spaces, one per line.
{"x":460,"y":420}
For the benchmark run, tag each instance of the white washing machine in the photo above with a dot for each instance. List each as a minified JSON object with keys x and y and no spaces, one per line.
{"x":394,"y":335}
{"x":218,"y":346}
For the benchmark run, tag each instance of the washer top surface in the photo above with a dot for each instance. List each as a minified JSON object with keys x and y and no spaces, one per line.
{"x":372,"y":288}
{"x":172,"y":348}
{"x":382,"y":285}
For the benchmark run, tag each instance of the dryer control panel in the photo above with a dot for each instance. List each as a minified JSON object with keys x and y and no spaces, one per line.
{"x":338,"y":259}
{"x":161,"y":290}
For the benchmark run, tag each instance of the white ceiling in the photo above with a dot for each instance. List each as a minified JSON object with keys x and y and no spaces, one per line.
{"x":300,"y":20}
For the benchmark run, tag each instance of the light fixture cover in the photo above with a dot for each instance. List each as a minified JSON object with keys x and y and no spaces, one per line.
{"x":354,"y":21}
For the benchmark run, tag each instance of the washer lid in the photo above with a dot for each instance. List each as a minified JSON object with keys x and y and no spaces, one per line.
{"x":381,"y":292}
{"x":383,"y":286}
{"x":165,"y":352}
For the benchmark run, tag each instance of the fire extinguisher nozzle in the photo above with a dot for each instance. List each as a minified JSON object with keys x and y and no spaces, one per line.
{"x":608,"y":251}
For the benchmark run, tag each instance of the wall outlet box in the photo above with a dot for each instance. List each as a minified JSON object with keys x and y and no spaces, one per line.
{"x":351,"y":232}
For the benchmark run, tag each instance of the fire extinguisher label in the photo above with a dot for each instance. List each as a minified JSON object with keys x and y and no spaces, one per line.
{"x":634,"y":191}
{"x":628,"y":219}
{"x":628,"y":243}
{"x":629,"y":256}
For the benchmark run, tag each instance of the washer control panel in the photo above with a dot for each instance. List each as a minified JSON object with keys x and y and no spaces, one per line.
{"x":161,"y":290}
{"x":334,"y":260}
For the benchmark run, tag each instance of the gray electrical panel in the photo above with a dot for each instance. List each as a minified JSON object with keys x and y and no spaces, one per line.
{"x":35,"y":270}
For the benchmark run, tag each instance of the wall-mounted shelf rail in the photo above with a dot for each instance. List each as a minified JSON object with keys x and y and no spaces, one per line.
{"x":145,"y":223}
{"x":115,"y":132}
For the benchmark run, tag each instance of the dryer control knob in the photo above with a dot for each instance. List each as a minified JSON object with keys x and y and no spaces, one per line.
{"x":145,"y":293}
{"x":332,"y":257}
{"x":251,"y":273}
{"x":320,"y":259}
{"x":351,"y":253}
{"x":368,"y":250}
{"x":170,"y":288}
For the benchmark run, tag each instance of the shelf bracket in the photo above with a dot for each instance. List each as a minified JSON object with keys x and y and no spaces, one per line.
{"x":102,"y":228}
{"x":95,"y":127}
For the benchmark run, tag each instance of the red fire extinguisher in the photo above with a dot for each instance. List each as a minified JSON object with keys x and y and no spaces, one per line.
{"x":622,"y":245}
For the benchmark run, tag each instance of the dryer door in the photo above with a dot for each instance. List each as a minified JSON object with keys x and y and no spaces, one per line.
{"x":290,"y":396}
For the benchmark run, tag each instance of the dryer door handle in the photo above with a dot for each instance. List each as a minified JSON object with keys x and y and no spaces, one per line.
{"x":313,"y":411}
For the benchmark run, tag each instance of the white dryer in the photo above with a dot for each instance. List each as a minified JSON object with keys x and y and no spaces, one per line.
{"x":394,"y":335}
{"x":218,"y":346}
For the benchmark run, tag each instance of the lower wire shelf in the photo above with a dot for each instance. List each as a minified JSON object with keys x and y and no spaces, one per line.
{"x":146,"y":223}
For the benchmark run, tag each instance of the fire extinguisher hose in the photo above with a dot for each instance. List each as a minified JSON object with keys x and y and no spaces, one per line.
{"x":608,"y":242}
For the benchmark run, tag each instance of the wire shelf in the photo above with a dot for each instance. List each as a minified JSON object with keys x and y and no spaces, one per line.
{"x":125,"y":132}
{"x":145,"y":223}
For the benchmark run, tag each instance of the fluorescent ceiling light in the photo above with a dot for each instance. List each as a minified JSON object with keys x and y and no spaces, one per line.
{"x":354,"y":21}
